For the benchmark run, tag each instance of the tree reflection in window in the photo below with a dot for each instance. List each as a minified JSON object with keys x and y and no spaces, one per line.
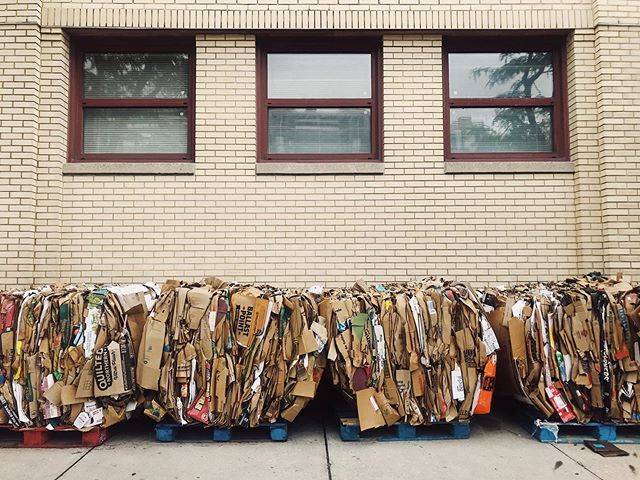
{"x":523,"y":71}
{"x":506,"y":129}
{"x":502,"y":128}
{"x":137,"y":75}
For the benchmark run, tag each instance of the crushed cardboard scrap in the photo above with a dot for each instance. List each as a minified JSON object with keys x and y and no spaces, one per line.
{"x":231,"y":355}
{"x":68,"y":354}
{"x":417,"y":353}
{"x":571,"y":348}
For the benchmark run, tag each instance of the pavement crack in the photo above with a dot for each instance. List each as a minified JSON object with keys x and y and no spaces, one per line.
{"x":74,"y":463}
{"x":326,"y":449}
{"x":578,"y":462}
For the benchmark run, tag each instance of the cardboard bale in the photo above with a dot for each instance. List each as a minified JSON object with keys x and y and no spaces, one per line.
{"x":235,"y":355}
{"x":571,"y":348}
{"x":67,"y":353}
{"x":413,"y":352}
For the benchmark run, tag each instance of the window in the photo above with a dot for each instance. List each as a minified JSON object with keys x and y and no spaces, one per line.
{"x":504,"y":99}
{"x":132,"y":100}
{"x":319,"y":101}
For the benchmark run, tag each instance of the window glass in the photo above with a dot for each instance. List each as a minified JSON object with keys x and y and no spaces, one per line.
{"x":500,"y":75}
{"x":135,"y":130}
{"x":318,"y":75}
{"x":319,"y":130}
{"x":509,"y":129}
{"x":136,"y":75}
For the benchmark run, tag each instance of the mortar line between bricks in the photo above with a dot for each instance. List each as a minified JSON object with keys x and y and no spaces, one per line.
{"x":577,"y":461}
{"x":326,"y":448}
{"x":74,"y":463}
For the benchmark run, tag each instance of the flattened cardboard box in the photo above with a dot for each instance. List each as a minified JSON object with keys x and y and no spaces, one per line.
{"x":110,"y":370}
{"x":150,"y":354}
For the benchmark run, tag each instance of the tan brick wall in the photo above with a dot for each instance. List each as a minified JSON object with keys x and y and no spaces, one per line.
{"x":412,"y":221}
{"x":617,"y":12}
{"x":20,"y":12}
{"x":618,"y":100}
{"x":322,"y":14}
{"x":19,"y":91}
{"x":343,"y":4}
{"x":52,"y":150}
{"x":583,"y":141}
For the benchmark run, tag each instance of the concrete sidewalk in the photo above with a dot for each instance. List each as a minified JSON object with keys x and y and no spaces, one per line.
{"x":497,"y":450}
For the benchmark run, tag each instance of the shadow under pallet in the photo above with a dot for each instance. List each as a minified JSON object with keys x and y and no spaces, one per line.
{"x":350,"y":431}
{"x":173,"y":432}
{"x":572,"y":432}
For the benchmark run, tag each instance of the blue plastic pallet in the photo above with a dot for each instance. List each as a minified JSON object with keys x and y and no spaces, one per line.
{"x":573,"y":432}
{"x":350,"y":431}
{"x":170,"y":432}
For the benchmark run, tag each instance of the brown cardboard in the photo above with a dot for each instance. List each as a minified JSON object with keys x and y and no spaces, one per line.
{"x":198,"y":299}
{"x":308,"y":344}
{"x":133,"y":302}
{"x":76,"y":409}
{"x":54,"y":394}
{"x":154,"y":411}
{"x":418,"y":383}
{"x":68,"y":395}
{"x":389,"y":413}
{"x":113,"y":415}
{"x":85,"y":381}
{"x":517,"y":338}
{"x":292,"y":412}
{"x":33,"y":375}
{"x":135,"y":323}
{"x":306,"y":388}
{"x":6,"y":348}
{"x":243,"y":314}
{"x":259,"y":319}
{"x":403,"y":380}
{"x":151,"y":347}
{"x":369,"y":412}
{"x":108,"y":369}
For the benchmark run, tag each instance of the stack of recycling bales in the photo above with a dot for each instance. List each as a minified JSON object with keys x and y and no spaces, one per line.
{"x":68,"y":354}
{"x":230,"y":355}
{"x":417,"y":353}
{"x":571,"y":348}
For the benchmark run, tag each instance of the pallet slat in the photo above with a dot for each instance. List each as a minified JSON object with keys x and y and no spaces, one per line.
{"x":350,"y":431}
{"x":170,"y":432}
{"x":572,"y":432}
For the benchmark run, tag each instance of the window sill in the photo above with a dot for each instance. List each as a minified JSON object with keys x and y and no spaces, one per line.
{"x":508,"y":167}
{"x":138,"y":168}
{"x":309,"y":168}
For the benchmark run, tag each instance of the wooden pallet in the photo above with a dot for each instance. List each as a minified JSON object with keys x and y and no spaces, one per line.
{"x":350,"y":431}
{"x":573,"y":432}
{"x":171,"y":432}
{"x":59,"y":437}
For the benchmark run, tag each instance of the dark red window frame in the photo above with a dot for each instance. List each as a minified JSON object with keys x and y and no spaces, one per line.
{"x":320,"y":45}
{"x":77,"y":102}
{"x":558,"y":103}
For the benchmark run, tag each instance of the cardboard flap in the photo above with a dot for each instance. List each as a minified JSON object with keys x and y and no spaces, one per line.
{"x":369,"y":412}
{"x":68,"y":395}
{"x":151,"y":348}
{"x":243,"y":312}
{"x":306,"y":388}
{"x":54,"y":394}
{"x":85,"y":381}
